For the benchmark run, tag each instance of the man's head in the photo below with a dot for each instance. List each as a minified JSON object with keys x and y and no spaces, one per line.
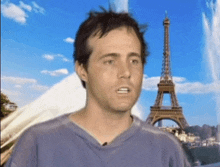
{"x":110,"y":56}
{"x":100,"y":24}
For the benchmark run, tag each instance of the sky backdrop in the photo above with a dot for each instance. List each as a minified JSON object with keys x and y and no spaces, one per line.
{"x":37,"y":45}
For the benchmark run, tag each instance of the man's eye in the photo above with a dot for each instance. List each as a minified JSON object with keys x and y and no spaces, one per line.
{"x":109,"y":62}
{"x":134,"y":61}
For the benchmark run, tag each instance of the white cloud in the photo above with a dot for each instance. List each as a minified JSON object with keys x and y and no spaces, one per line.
{"x":52,"y":57}
{"x":63,"y":58}
{"x":179,"y":79}
{"x":182,"y":86}
{"x":18,"y":86}
{"x":21,"y":90}
{"x":14,"y":12}
{"x":10,"y":93}
{"x":69,"y":40}
{"x":66,"y":60}
{"x":39,"y":87}
{"x":25,"y":6}
{"x":150,"y":84}
{"x":48,"y":57}
{"x":17,"y":12}
{"x":56,"y":72}
{"x":60,"y":55}
{"x":197,"y":88}
{"x":37,"y":8}
{"x":18,"y":80}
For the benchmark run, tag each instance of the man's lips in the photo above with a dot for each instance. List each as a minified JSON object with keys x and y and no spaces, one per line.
{"x":123,"y":90}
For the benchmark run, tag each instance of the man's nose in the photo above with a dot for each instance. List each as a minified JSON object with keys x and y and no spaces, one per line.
{"x":124,"y":70}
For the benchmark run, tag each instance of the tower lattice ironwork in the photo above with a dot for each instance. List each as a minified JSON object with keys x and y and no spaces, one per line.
{"x":166,"y":86}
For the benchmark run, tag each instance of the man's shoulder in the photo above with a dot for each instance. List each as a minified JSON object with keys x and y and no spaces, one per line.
{"x":50,"y":126}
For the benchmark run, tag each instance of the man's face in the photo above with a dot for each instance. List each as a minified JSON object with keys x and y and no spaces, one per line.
{"x":115,"y":70}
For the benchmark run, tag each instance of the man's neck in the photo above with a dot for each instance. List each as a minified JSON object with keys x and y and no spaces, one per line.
{"x":104,"y":125}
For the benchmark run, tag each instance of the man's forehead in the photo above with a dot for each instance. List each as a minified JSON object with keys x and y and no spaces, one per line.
{"x":117,"y":38}
{"x":116,"y":34}
{"x":99,"y":33}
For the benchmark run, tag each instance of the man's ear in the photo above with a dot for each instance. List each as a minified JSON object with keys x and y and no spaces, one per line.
{"x":81,"y":71}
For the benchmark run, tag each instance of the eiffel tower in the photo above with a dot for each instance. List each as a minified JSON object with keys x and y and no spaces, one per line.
{"x":166,"y":86}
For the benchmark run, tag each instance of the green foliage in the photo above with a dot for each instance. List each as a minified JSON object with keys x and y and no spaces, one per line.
{"x":4,"y":101}
{"x":203,"y":132}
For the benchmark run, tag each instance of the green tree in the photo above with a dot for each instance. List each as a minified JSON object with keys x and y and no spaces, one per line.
{"x":206,"y":132}
{"x":4,"y":101}
{"x":214,"y":130}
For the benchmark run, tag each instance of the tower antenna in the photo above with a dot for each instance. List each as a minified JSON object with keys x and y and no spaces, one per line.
{"x":166,"y":14}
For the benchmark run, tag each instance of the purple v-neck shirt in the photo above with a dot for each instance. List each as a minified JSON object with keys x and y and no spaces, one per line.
{"x":62,"y":143}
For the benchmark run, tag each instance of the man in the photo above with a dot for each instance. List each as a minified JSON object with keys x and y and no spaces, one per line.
{"x":110,"y":54}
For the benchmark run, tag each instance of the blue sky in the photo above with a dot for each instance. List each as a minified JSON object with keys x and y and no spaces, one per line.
{"x":37,"y":45}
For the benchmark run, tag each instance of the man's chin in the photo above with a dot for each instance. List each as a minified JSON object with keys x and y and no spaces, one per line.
{"x":123,"y":108}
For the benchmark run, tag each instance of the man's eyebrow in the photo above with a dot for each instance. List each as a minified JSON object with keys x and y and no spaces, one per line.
{"x":109,"y":55}
{"x":134,"y":54}
{"x":117,"y":55}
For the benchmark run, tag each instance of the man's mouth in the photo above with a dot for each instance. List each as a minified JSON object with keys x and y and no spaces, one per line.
{"x":123,"y":90}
